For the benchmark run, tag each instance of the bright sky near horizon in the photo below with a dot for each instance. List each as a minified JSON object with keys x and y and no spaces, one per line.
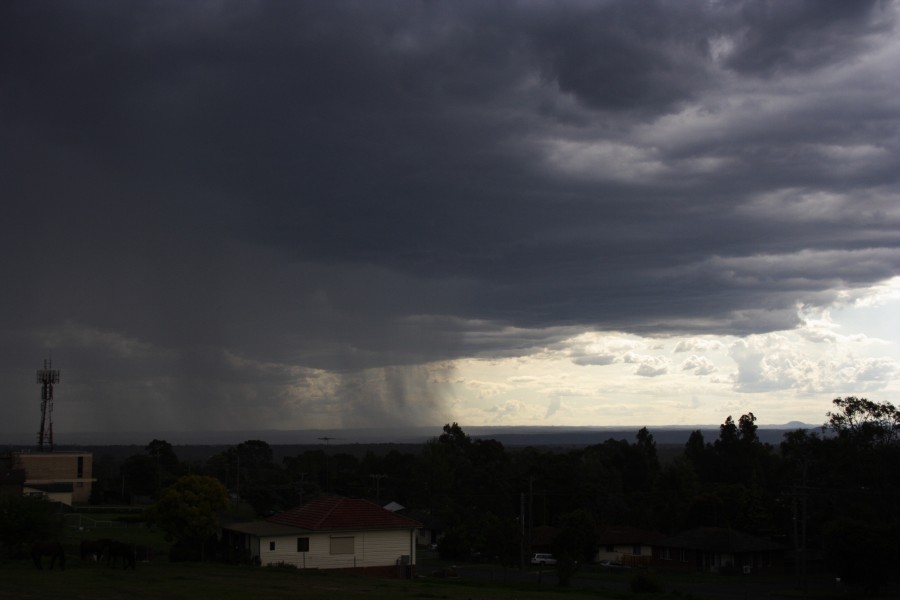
{"x":299,"y":215}
{"x":780,"y":376}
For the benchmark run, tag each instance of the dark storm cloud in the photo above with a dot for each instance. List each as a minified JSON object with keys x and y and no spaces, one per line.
{"x":788,"y":36}
{"x":345,"y":186}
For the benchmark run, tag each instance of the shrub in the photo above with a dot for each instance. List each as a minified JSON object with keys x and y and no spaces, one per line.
{"x":644,"y":583}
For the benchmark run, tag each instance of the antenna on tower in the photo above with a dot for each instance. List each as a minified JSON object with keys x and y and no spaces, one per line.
{"x":46,"y":377}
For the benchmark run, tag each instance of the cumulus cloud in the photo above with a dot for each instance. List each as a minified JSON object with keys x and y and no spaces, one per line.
{"x":771,"y":362}
{"x":594,"y":349}
{"x":506,"y":412}
{"x":700,"y":365}
{"x":697,"y":345}
{"x":648,"y":365}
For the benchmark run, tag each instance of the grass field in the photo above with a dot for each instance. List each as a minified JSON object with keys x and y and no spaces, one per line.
{"x":160,"y":578}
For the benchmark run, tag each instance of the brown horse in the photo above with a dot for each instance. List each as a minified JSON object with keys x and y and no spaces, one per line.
{"x":117,"y":550}
{"x":52,"y":549}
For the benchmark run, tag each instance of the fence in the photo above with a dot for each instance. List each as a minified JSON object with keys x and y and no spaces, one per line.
{"x":82,"y":522}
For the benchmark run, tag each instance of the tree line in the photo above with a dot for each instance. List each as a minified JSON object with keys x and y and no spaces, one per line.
{"x":832,"y":495}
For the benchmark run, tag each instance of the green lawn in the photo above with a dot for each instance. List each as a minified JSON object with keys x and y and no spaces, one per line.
{"x":161,"y":579}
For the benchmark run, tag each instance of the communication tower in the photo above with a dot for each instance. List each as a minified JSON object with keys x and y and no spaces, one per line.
{"x":46,"y":377}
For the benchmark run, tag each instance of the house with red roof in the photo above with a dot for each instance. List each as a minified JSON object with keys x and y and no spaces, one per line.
{"x":330,"y":532}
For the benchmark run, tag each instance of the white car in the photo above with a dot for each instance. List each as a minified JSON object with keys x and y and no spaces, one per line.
{"x":543,"y":559}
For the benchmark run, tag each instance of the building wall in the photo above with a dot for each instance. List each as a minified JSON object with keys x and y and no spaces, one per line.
{"x":60,"y":467}
{"x":765,"y":562}
{"x":370,"y":549}
{"x":630,"y":554}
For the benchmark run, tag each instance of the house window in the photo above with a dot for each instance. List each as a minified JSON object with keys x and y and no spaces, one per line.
{"x":80,"y":467}
{"x":664,"y":554}
{"x":271,"y":546}
{"x":636,"y":550}
{"x":342,"y":545}
{"x":610,"y":548}
{"x":302,"y":544}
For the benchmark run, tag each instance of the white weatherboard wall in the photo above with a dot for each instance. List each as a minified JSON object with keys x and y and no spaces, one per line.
{"x":370,"y":549}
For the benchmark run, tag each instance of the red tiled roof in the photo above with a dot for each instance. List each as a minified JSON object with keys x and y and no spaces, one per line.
{"x":330,"y":513}
{"x":623,"y":534}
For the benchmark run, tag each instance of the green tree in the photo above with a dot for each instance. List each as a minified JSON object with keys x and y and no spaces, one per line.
{"x":188,"y":510}
{"x":747,"y":428}
{"x":696,"y":452}
{"x":674,"y":490}
{"x":863,"y":421}
{"x":577,"y":542}
{"x":164,"y":454}
{"x":24,"y":520}
{"x":445,"y":464}
{"x":250,"y":471}
{"x":167,"y":466}
{"x":140,"y":475}
{"x":862,"y":553}
{"x":455,"y":437}
{"x":578,"y":537}
{"x":254,"y":455}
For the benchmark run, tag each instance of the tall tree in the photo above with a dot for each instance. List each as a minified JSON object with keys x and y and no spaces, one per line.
{"x":188,"y":510}
{"x":747,"y":428}
{"x":24,"y":520}
{"x":164,"y":454}
{"x":863,"y":421}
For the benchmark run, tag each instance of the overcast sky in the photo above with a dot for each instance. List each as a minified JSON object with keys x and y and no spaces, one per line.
{"x":249,"y":215}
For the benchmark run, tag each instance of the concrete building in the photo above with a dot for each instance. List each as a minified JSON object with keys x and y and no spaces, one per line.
{"x":65,"y":477}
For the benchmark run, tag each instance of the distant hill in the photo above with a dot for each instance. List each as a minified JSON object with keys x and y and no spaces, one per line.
{"x":508,"y":436}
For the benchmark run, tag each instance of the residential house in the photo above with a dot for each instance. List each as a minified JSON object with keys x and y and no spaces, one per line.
{"x":630,"y":546}
{"x":331,"y":532}
{"x":718,"y":550}
{"x":431,"y":528}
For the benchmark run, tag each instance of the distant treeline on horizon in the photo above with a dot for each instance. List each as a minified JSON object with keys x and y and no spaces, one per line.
{"x":508,"y":436}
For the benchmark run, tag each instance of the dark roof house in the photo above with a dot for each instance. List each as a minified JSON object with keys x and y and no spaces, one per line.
{"x":718,"y":549}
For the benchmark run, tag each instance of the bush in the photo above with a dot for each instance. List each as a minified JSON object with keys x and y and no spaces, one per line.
{"x":644,"y":583}
{"x":281,"y":566}
{"x":180,"y":552}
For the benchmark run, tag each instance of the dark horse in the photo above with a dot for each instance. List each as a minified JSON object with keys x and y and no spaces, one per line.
{"x":52,"y":549}
{"x":93,"y":549}
{"x":117,"y":550}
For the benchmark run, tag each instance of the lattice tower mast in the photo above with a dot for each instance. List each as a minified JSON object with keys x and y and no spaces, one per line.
{"x":46,"y":377}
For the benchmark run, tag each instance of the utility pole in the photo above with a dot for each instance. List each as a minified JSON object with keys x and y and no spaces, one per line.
{"x":522,"y":531}
{"x":378,"y":477}
{"x":300,"y":487}
{"x":530,"y":511}
{"x":238,"y":483}
{"x":800,"y":496}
